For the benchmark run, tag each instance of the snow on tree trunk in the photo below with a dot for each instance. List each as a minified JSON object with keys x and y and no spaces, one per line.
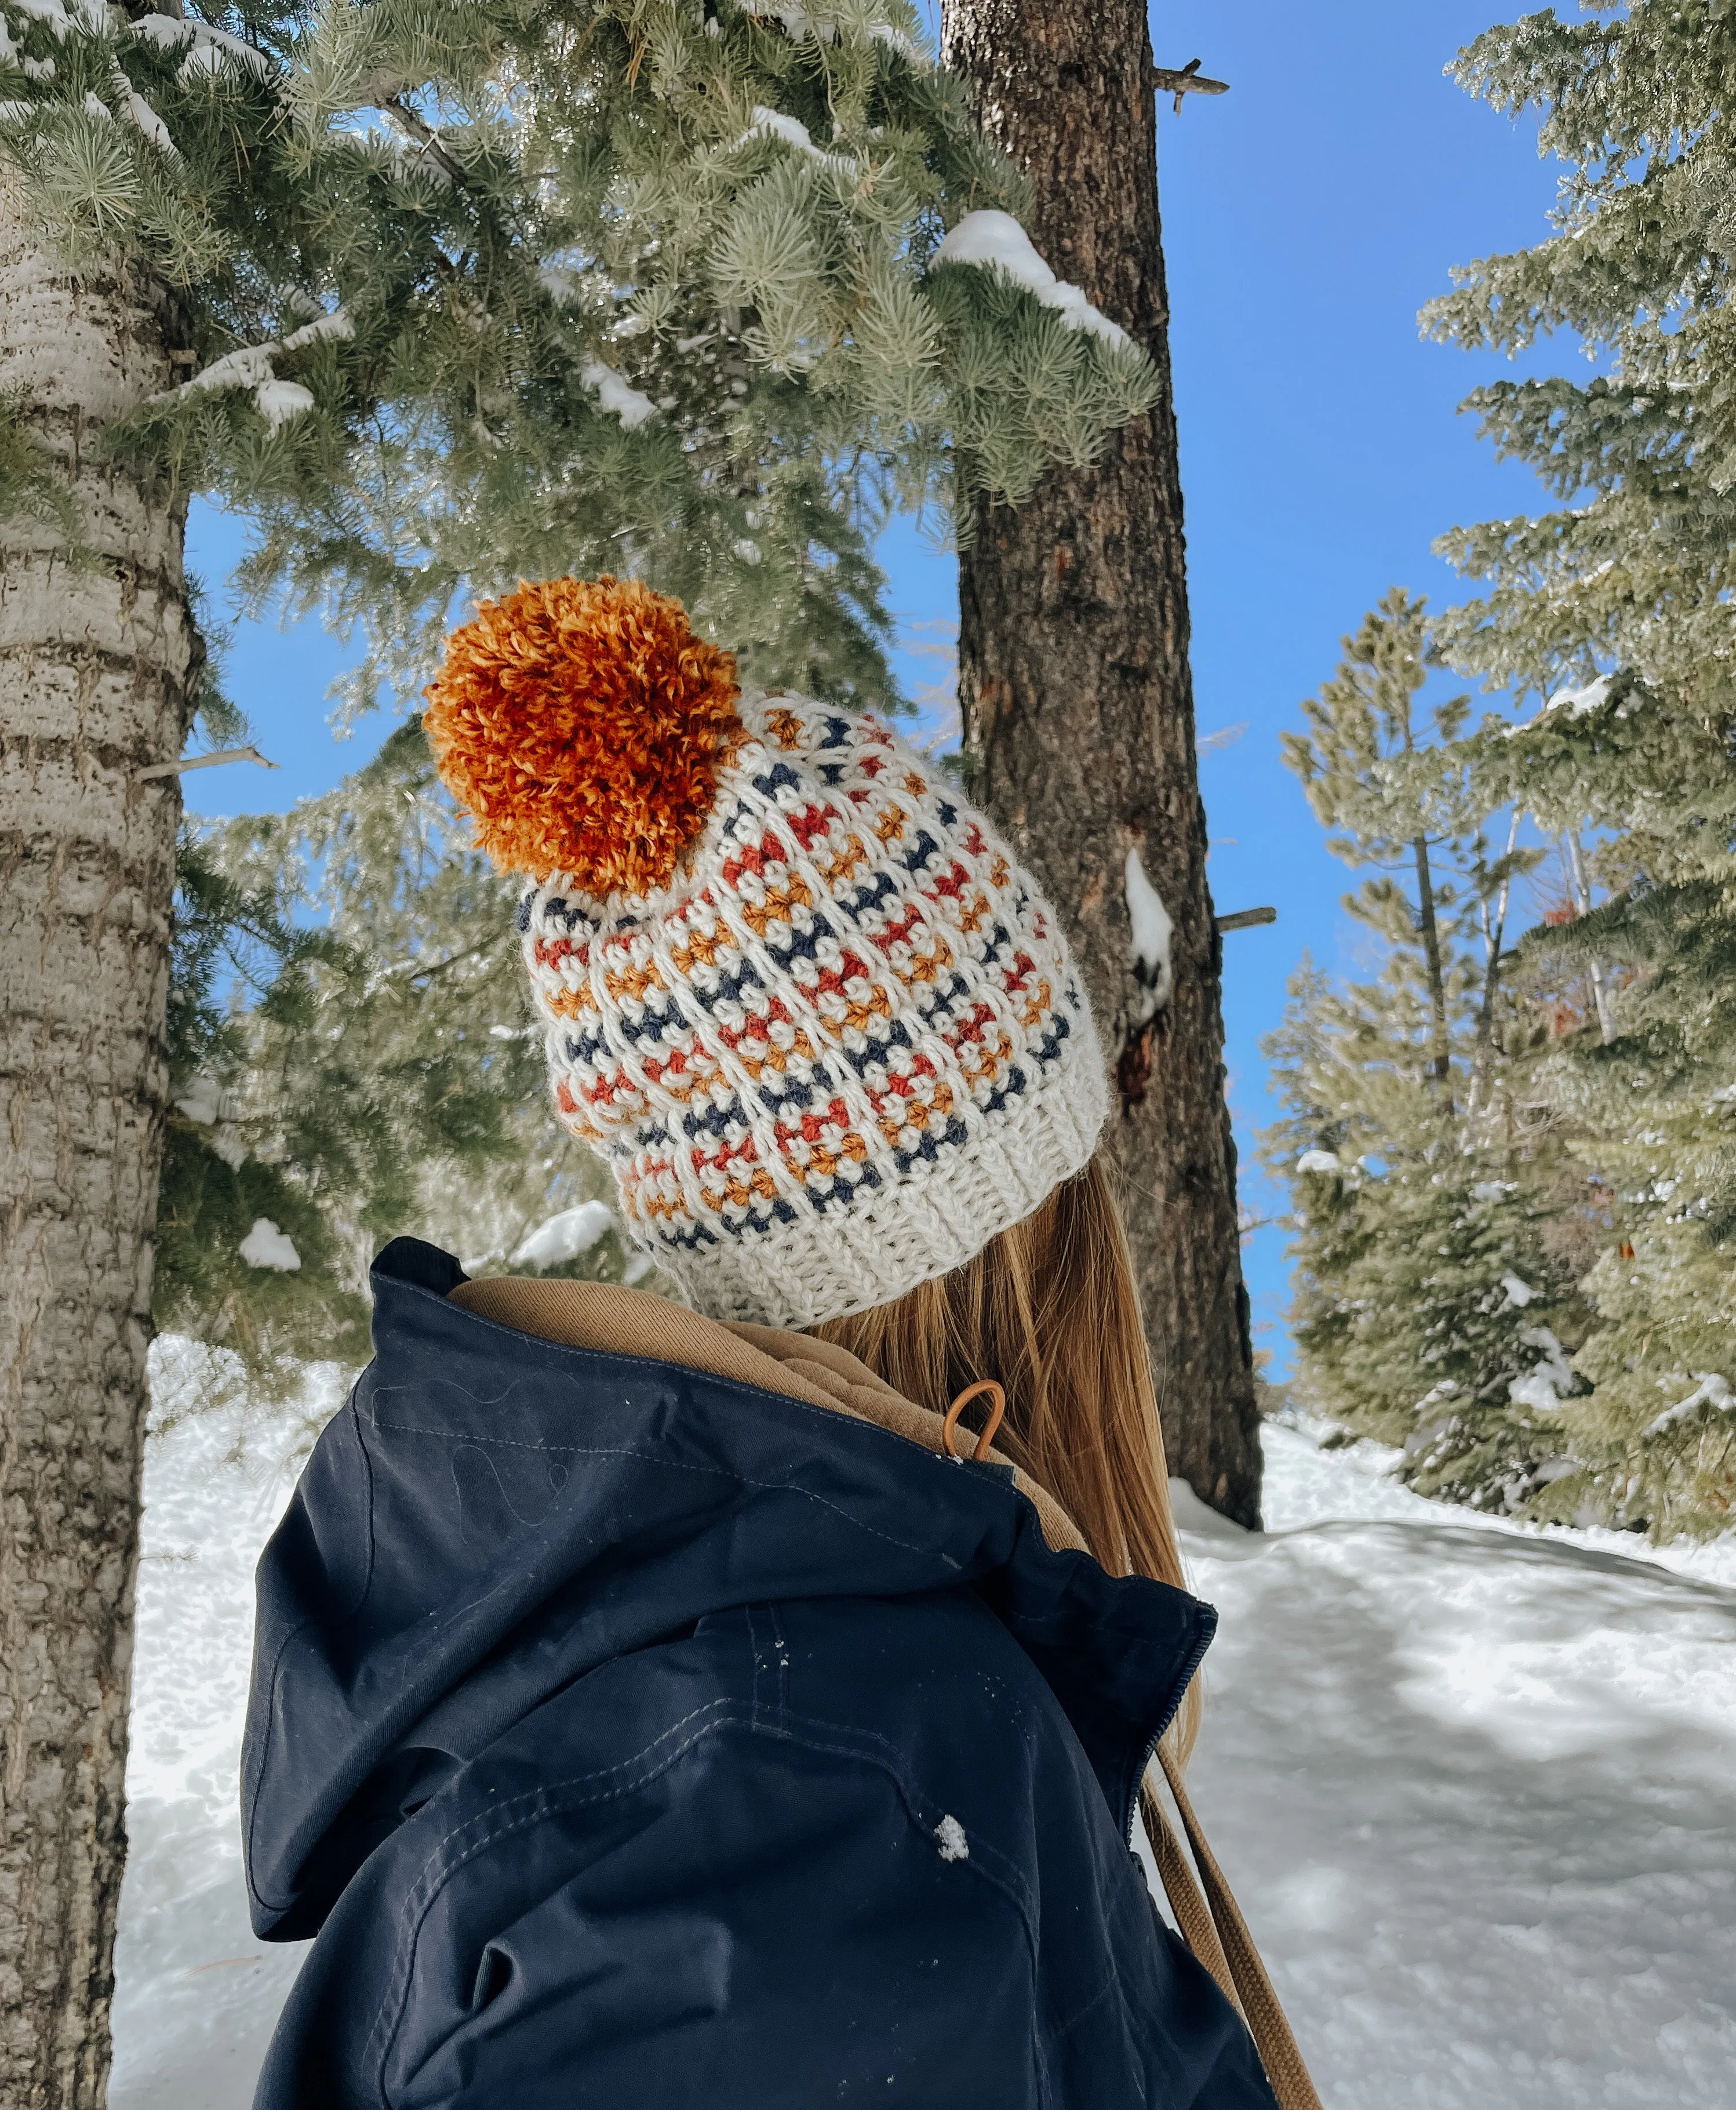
{"x":94,"y":665}
{"x":1077,"y":708}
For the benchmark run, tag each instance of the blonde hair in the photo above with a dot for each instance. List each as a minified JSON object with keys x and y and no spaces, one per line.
{"x":1050,"y":1310}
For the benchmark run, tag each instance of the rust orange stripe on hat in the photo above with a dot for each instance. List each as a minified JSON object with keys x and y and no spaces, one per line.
{"x":582,"y":725}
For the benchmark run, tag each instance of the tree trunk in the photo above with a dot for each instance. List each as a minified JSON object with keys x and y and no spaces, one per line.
{"x":1078,"y":708}
{"x":94,"y":669}
{"x":1431,"y":931}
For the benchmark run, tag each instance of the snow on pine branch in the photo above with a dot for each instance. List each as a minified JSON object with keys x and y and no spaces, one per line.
{"x":826,"y":27}
{"x":994,"y":241}
{"x":266,"y":1247}
{"x":249,"y":366}
{"x":213,"y":49}
{"x":775,"y":125}
{"x":90,"y":14}
{"x":1710,"y":1390}
{"x":628,"y":405}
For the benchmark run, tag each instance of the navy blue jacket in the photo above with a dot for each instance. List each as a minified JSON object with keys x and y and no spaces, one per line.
{"x":632,"y":1737}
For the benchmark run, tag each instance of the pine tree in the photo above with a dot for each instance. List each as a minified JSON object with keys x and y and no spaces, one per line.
{"x":1077,"y":703}
{"x":1615,"y":611}
{"x":1435,"y":1303}
{"x":352,"y":1053}
{"x":434,"y":293}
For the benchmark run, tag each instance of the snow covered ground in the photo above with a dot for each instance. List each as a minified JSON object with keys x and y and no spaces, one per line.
{"x":1475,"y":1787}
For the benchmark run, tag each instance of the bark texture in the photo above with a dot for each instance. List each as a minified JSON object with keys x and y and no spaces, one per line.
{"x":94,"y":667}
{"x":1077,"y":707}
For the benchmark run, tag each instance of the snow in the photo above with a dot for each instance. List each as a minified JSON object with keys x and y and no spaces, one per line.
{"x":206,"y":1101}
{"x":1474,"y":1783}
{"x":628,"y":405}
{"x":280,"y":401}
{"x":1319,"y":1161}
{"x":747,"y":549}
{"x":1576,"y":703}
{"x":212,"y":48}
{"x":565,"y":1236}
{"x":1710,"y":1390}
{"x":775,"y":125}
{"x":249,"y":366}
{"x":954,"y":1845}
{"x":50,"y":11}
{"x":994,"y":242}
{"x":1152,"y":931}
{"x":197,"y":1994}
{"x":144,"y":117}
{"x":266,"y":1247}
{"x":335,"y":324}
{"x":1519,"y":1293}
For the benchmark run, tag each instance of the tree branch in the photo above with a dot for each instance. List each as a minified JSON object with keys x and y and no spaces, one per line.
{"x":202,"y":762}
{"x":1185,"y":80}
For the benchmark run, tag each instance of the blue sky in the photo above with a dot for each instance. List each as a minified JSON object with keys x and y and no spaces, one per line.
{"x":1308,"y":214}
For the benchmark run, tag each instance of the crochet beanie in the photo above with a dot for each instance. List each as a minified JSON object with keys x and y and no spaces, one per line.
{"x":824,"y":1029}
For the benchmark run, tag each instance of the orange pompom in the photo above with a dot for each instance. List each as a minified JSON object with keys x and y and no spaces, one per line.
{"x":582,"y":725}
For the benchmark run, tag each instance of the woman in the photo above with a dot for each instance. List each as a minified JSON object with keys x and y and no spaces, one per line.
{"x":651,"y":1701}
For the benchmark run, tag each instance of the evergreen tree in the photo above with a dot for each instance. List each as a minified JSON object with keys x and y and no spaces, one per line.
{"x":353,"y":1053}
{"x":1433,"y":1310}
{"x":1615,"y":610}
{"x":434,"y":293}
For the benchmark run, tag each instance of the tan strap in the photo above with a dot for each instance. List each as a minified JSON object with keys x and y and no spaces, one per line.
{"x":1214,"y":1929}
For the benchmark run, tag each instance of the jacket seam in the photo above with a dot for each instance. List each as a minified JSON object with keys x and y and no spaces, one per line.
{"x":491,"y":1828}
{"x":821,"y":1737}
{"x":671,"y":1464}
{"x":537,"y":1804}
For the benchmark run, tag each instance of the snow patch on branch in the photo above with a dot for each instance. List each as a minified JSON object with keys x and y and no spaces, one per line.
{"x":1519,"y":1293}
{"x":775,"y":125}
{"x":1710,"y":1390}
{"x":1319,"y":1161}
{"x":266,"y":1247}
{"x":335,"y":324}
{"x":994,"y":242}
{"x":1153,"y":931}
{"x":1543,"y":1387}
{"x":50,"y":11}
{"x":565,"y":1236}
{"x":148,"y":122}
{"x":280,"y":401}
{"x":213,"y":49}
{"x":249,"y":366}
{"x":628,"y":403}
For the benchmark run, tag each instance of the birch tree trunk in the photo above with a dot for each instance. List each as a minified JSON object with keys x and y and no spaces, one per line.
{"x":94,"y":670}
{"x":1077,"y":708}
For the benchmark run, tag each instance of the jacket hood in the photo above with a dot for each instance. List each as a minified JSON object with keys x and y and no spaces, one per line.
{"x":493,"y":1515}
